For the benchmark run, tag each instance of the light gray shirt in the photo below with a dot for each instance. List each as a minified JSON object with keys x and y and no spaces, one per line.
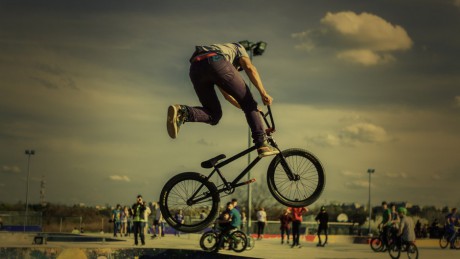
{"x":232,"y":52}
{"x":406,"y":228}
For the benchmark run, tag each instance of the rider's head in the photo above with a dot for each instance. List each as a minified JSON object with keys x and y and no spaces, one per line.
{"x":402,"y":211}
{"x":384,"y":205}
{"x":229,"y":206}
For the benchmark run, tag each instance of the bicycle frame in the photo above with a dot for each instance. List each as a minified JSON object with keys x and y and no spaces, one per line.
{"x":228,"y":186}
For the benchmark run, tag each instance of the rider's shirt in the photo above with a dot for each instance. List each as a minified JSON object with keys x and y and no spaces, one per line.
{"x":232,"y":52}
{"x":406,"y":227}
{"x":236,"y":218}
{"x":386,"y":217}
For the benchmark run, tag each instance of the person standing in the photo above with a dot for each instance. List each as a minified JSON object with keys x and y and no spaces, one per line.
{"x":285,"y":225}
{"x":297,"y":214}
{"x":261,"y":221}
{"x":180,"y":219}
{"x":157,"y":222}
{"x":218,"y":64}
{"x":139,"y":220}
{"x":124,"y":221}
{"x":322,"y":219}
{"x":116,"y":218}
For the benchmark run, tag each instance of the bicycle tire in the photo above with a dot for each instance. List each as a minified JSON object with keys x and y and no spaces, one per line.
{"x":251,"y":243}
{"x":239,"y":241}
{"x":209,"y":241}
{"x":443,"y":241}
{"x":457,"y":242}
{"x":178,"y":190}
{"x":412,"y":251}
{"x":394,"y":251}
{"x":296,"y":193}
{"x":376,"y":244}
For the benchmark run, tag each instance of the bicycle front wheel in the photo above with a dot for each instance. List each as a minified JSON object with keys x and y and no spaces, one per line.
{"x":412,"y":251}
{"x":209,"y":241}
{"x":394,"y":251}
{"x":183,"y":200}
{"x":309,"y":180}
{"x":444,"y":241}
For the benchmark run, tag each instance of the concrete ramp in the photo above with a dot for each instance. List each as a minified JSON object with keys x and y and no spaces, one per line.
{"x":114,"y":253}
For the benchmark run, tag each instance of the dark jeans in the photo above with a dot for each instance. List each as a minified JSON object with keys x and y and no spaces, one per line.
{"x":322,"y":229}
{"x":139,"y":229}
{"x":116,"y":228}
{"x":287,"y":231}
{"x":295,"y":232}
{"x":260,"y":228}
{"x":218,"y":71}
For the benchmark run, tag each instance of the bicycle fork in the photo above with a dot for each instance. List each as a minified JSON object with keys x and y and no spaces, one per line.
{"x":291,"y":176}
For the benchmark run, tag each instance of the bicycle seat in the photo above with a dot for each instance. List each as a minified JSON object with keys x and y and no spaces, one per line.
{"x":212,"y":162}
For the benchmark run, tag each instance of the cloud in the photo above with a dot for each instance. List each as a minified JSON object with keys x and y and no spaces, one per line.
{"x":10,"y":169}
{"x":457,"y":99}
{"x":357,"y":184}
{"x":398,"y":175}
{"x":456,"y":3}
{"x":365,"y":38}
{"x":119,"y":178}
{"x":351,"y":174}
{"x":361,"y":132}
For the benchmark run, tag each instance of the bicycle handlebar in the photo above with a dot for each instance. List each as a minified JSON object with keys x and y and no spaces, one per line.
{"x":270,"y":127}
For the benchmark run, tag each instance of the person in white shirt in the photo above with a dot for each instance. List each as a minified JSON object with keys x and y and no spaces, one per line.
{"x":261,"y":221}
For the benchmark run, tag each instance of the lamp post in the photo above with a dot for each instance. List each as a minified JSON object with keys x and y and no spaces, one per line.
{"x":370,"y":171}
{"x":254,"y":49}
{"x":29,"y":153}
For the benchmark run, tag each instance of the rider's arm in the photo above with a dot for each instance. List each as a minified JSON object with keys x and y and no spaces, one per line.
{"x":230,"y":98}
{"x":254,"y":76}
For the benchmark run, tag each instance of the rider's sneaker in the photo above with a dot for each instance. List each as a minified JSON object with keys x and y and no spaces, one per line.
{"x":266,"y":150}
{"x":177,"y":115}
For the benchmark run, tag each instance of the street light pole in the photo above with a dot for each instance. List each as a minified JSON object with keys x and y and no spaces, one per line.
{"x":370,"y":171}
{"x":28,"y":153}
{"x":254,"y":49}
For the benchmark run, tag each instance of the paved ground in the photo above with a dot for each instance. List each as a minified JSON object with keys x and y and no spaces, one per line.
{"x":267,"y":248}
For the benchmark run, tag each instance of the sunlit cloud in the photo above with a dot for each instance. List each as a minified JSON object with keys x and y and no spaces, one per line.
{"x":396,"y":175}
{"x":10,"y":169}
{"x":456,"y":3}
{"x":351,"y":135}
{"x":120,"y":178}
{"x":357,"y":184}
{"x":457,"y":99}
{"x":365,"y":38}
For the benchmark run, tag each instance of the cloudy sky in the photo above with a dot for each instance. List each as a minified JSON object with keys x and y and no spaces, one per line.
{"x":361,"y":84}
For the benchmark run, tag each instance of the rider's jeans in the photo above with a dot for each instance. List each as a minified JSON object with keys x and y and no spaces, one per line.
{"x":218,"y":71}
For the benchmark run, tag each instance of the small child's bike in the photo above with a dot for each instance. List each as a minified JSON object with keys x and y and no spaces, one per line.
{"x":295,"y":178}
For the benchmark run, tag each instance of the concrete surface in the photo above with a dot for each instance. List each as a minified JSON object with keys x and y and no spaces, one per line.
{"x":18,"y":245}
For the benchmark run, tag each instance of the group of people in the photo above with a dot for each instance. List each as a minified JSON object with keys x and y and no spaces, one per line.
{"x":293,"y":216}
{"x":135,"y":219}
{"x":396,"y":224}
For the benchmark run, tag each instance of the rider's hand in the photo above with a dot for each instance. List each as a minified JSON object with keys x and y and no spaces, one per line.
{"x":267,"y":99}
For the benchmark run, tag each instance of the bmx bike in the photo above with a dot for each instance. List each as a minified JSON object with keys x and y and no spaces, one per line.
{"x":215,"y":239}
{"x":295,"y":178}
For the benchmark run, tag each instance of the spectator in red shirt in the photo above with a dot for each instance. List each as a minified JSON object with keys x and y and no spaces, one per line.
{"x":296,"y":214}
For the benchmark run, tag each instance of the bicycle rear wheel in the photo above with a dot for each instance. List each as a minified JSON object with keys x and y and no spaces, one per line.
{"x":309,"y":182}
{"x":376,"y":244}
{"x":177,"y":195}
{"x":251,"y":242}
{"x":238,"y":241}
{"x":444,"y":241}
